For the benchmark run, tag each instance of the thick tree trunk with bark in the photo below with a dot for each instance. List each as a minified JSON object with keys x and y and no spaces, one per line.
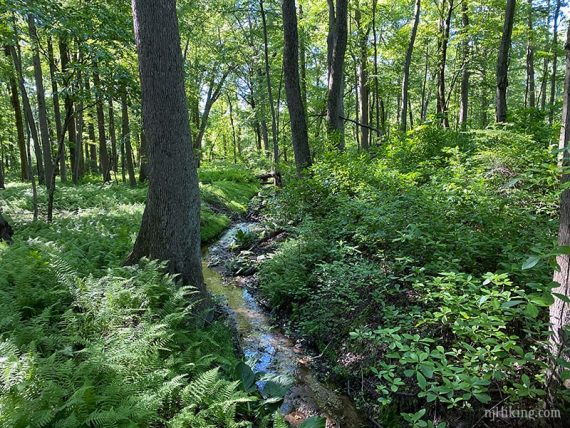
{"x":42,"y":111}
{"x":336,"y":41}
{"x":465,"y":74}
{"x":503,"y":63}
{"x":170,"y":228}
{"x":560,"y":310}
{"x":293,"y":92}
{"x":407,"y":63}
{"x":126,"y":139}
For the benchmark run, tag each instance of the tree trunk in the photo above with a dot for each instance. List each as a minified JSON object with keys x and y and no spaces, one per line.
{"x":113,"y":135}
{"x":40,"y":95}
{"x":103,"y":153}
{"x":170,"y":228}
{"x":464,"y":103}
{"x":407,"y":63}
{"x":363,"y":82}
{"x":269,"y":88}
{"x":337,"y":41}
{"x":503,"y":63}
{"x":303,"y":61}
{"x":15,"y":101}
{"x":559,"y":310}
{"x":293,"y":91}
{"x":144,"y":168}
{"x":126,"y":139}
{"x":57,"y":113}
{"x":530,"y":85}
{"x":554,"y":63}
{"x":444,"y":28}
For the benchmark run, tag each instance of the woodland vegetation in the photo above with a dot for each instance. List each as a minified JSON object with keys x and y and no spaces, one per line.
{"x":417,"y":215}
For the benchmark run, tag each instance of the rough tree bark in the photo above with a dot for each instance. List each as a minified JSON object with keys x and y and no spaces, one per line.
{"x":560,"y":310}
{"x":503,"y":63}
{"x":293,"y":91}
{"x":363,"y":34}
{"x":336,"y":45}
{"x":56,"y":109}
{"x":407,"y":63}
{"x":170,"y":228}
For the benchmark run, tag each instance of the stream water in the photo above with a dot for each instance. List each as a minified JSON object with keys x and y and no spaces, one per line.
{"x":274,"y":353}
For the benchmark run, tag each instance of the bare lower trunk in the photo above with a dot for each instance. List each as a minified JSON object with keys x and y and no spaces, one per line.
{"x":114,"y":159}
{"x":407,"y":63}
{"x":170,"y":228}
{"x":103,"y":153}
{"x":126,"y":139}
{"x":464,"y":104}
{"x":554,"y":63}
{"x":56,"y":110}
{"x":299,"y":133}
{"x":444,"y":28}
{"x":503,"y":63}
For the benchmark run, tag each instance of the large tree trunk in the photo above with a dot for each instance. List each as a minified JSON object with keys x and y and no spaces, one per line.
{"x":269,"y":88}
{"x":170,"y":228}
{"x":465,"y":74}
{"x":42,"y":111}
{"x":444,"y":29}
{"x":530,"y":98}
{"x":554,"y":63}
{"x":16,"y":59}
{"x":336,"y":41}
{"x":15,"y":101}
{"x":126,"y":137}
{"x":560,"y":310}
{"x":103,"y":154}
{"x":293,"y":92}
{"x":407,"y":63}
{"x":503,"y":63}
{"x":56,"y":110}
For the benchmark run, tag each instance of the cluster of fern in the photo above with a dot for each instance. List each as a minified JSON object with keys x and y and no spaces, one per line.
{"x":85,"y":341}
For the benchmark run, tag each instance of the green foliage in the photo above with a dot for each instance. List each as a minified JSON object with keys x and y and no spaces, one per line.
{"x":85,"y":341}
{"x":417,"y":256}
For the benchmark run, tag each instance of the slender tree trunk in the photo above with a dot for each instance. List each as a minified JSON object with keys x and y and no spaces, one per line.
{"x":42,"y":111}
{"x":303,"y":61}
{"x":503,"y":63}
{"x":544,"y":79}
{"x":554,"y":63}
{"x":465,"y":74}
{"x":170,"y":228}
{"x":444,"y":27}
{"x":15,"y":101}
{"x":269,"y":88}
{"x":337,"y":41}
{"x":530,"y":85}
{"x":363,"y":81}
{"x":407,"y":63}
{"x":233,"y":128}
{"x":293,"y":91}
{"x":79,"y":169}
{"x":103,"y":153}
{"x":560,"y":310}
{"x":126,"y":137}
{"x":56,"y":109}
{"x":376,"y":77}
{"x":69,"y":106}
{"x":113,"y":135}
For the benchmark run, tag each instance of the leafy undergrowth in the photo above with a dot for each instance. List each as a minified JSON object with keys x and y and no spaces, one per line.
{"x":85,"y":341}
{"x":407,"y":272}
